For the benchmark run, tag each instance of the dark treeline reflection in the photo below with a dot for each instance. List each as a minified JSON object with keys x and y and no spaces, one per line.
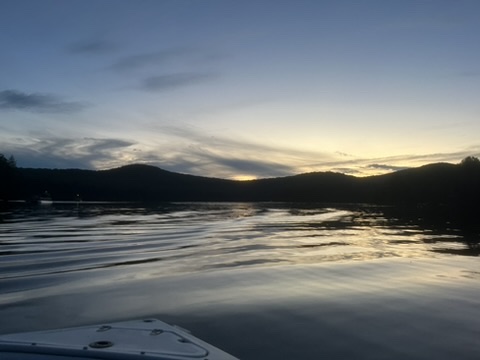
{"x":461,"y":224}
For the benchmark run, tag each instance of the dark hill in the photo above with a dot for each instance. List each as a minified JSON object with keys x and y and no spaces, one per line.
{"x":434,"y":183}
{"x":147,"y":183}
{"x":317,"y":186}
{"x":127,"y":183}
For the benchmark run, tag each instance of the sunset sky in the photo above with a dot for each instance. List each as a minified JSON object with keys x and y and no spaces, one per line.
{"x":240,"y":89}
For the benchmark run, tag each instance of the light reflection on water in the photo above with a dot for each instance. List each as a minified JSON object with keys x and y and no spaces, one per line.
{"x":260,"y":280}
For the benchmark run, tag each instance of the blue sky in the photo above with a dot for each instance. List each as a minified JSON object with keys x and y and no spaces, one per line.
{"x":240,"y":89}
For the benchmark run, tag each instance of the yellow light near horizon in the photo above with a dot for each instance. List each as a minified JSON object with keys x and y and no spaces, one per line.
{"x":243,"y":177}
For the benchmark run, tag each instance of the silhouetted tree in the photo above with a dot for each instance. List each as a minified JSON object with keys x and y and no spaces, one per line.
{"x":8,"y":172}
{"x":12,"y":162}
{"x":470,"y":161}
{"x":7,"y":164}
{"x":3,"y":160}
{"x":468,"y":189}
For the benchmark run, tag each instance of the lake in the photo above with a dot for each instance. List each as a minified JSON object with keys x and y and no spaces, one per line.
{"x":258,"y":280}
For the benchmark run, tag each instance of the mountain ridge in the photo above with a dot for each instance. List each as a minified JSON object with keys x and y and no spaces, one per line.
{"x":432,"y":183}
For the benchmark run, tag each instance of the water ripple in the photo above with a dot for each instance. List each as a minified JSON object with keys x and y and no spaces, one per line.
{"x":179,"y":238}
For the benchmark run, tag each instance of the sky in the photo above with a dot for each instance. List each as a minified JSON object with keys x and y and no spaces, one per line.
{"x":240,"y":89}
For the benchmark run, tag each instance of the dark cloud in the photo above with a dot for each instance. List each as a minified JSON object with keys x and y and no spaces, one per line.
{"x":172,"y":81}
{"x":95,"y":47}
{"x":91,"y":153}
{"x":205,"y":164}
{"x":224,"y":157}
{"x":386,"y":167}
{"x":66,"y":152}
{"x":255,"y":166}
{"x":347,"y":171}
{"x":35,"y":102}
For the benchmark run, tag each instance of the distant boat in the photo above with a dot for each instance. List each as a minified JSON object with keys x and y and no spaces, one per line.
{"x":141,"y":339}
{"x":44,"y":199}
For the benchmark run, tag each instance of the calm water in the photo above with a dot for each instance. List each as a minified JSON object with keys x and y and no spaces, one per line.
{"x":261,"y":281}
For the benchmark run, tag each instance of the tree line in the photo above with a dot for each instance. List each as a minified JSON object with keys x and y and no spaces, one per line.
{"x":440,"y":183}
{"x":8,"y":177}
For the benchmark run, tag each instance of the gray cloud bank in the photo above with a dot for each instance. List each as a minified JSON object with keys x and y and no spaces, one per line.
{"x":65,"y":152}
{"x":36,"y":102}
{"x":208,"y":164}
{"x":220,"y":158}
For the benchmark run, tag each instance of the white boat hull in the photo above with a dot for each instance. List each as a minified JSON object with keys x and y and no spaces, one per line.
{"x":143,"y":339}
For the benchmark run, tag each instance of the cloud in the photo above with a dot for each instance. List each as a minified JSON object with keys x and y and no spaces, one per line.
{"x":199,"y":154}
{"x":420,"y":159}
{"x":359,"y":166}
{"x":53,"y":152}
{"x":253,"y":166}
{"x":189,"y":150}
{"x":205,"y":163}
{"x":178,"y":67}
{"x":173,"y":55}
{"x":220,"y":156}
{"x":95,"y":47}
{"x":348,"y":171}
{"x":141,"y":60}
{"x":386,"y":167}
{"x":35,"y":102}
{"x":172,"y":81}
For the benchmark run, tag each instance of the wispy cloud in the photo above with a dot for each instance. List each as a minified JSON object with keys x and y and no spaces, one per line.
{"x":212,"y":155}
{"x":60,"y":152}
{"x":183,"y":55}
{"x":172,"y":81}
{"x":224,"y":156}
{"x":154,"y":58}
{"x":37,"y":102}
{"x":169,"y":68}
{"x":94,"y":47}
{"x":204,"y":154}
{"x":207,"y":163}
{"x":385,"y":167}
{"x":366,"y":166}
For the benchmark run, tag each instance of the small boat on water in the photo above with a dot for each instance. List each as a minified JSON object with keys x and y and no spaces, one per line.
{"x":142,"y":339}
{"x":44,"y":199}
